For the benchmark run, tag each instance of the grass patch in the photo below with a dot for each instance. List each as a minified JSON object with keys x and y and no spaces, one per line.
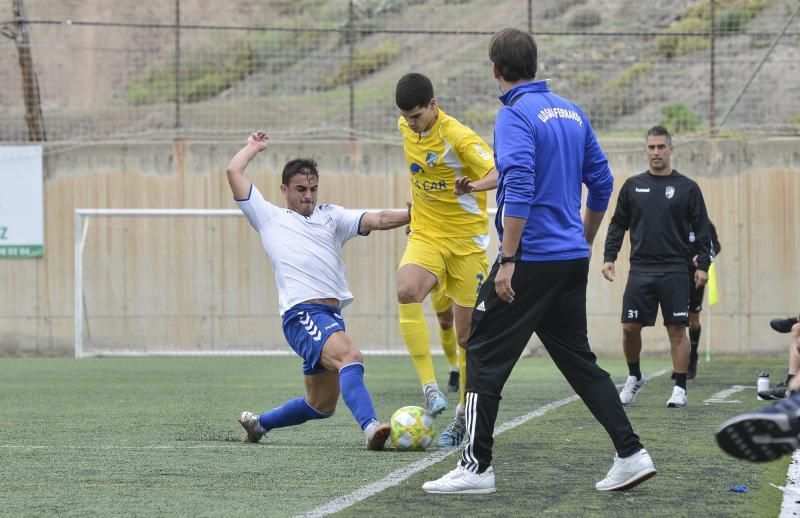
{"x":208,"y":70}
{"x":671,"y":46}
{"x":586,"y":78}
{"x":628,"y":77}
{"x":616,"y":101}
{"x":731,"y":16}
{"x":158,"y":436}
{"x":680,"y":119}
{"x":365,"y":62}
{"x":585,"y":18}
{"x":794,"y":124}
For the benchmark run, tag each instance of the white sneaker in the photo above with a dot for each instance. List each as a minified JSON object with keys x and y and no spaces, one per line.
{"x":631,"y":388}
{"x":678,"y":399}
{"x":628,"y":472}
{"x":462,"y":481}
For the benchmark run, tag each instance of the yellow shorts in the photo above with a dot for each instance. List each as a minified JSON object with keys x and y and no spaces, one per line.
{"x":459,"y":264}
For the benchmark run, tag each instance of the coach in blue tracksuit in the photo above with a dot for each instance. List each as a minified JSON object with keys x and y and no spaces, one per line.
{"x":545,"y":149}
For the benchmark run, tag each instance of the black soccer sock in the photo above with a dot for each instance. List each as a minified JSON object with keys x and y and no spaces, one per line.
{"x":789,"y":378}
{"x":635,"y":370}
{"x":694,"y":340}
{"x":680,"y":380}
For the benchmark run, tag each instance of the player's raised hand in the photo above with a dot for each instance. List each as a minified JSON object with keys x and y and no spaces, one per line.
{"x":609,"y":271}
{"x":259,"y":140}
{"x":462,"y":186}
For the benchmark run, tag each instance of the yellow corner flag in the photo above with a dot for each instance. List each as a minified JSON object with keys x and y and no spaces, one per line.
{"x":713,"y":294}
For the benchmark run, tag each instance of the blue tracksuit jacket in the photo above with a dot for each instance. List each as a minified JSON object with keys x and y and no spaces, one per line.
{"x":545,"y":148}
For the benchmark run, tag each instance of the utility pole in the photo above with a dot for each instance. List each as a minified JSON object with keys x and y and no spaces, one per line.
{"x":30,"y":84}
{"x":712,"y":101}
{"x":351,"y":45}
{"x":177,"y":64}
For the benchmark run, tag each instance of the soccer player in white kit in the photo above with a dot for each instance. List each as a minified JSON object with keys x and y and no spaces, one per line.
{"x":304,"y":244}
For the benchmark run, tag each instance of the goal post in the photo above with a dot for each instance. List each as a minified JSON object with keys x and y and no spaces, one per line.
{"x":130,"y":228}
{"x":196,"y":282}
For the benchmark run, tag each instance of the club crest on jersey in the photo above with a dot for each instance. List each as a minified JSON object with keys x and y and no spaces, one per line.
{"x":415,"y":168}
{"x":431,"y":158}
{"x":329,"y":222}
{"x":482,"y":152}
{"x":670,"y":192}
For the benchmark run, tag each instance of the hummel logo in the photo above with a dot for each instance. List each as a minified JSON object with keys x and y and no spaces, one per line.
{"x":480,"y":307}
{"x":642,"y":190}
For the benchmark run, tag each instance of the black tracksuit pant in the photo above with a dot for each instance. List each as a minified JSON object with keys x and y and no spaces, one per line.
{"x":550,"y":300}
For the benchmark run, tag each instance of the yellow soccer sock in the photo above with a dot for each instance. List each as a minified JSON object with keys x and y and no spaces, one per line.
{"x":462,"y":379}
{"x":449,"y":345}
{"x":415,"y":335}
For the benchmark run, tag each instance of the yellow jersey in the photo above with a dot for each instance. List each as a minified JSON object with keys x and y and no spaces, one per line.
{"x":434,"y":160}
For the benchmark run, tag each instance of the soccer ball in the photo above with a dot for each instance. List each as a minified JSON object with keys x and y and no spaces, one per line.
{"x":412,"y":428}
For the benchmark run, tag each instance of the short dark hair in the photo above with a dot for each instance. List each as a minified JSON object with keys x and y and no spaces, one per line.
{"x":413,"y":90}
{"x":659,"y":131}
{"x":306,"y":166}
{"x":514,"y":54}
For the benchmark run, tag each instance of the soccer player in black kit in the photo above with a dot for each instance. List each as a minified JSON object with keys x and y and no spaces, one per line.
{"x":660,"y":207}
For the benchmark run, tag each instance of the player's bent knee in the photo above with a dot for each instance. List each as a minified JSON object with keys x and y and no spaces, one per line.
{"x":337,"y":354}
{"x":321,"y":410}
{"x":352,"y":355}
{"x":407,"y":295}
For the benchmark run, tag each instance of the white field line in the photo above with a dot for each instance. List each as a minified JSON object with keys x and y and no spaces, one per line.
{"x":790,"y":506}
{"x":722,"y":395}
{"x":396,"y":477}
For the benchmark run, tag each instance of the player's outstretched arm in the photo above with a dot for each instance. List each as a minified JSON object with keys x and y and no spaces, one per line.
{"x":240,"y":186}
{"x":463,"y":184}
{"x":385,"y":220}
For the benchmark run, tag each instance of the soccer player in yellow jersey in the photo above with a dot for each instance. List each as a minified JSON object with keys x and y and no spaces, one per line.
{"x":449,"y":167}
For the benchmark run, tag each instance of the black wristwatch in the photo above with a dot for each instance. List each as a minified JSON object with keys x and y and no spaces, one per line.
{"x":506,"y":259}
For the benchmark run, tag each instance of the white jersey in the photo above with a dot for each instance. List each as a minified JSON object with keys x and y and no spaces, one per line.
{"x":305,"y":251}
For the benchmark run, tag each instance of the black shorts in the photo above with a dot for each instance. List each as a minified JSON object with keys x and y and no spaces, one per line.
{"x":644,"y":292}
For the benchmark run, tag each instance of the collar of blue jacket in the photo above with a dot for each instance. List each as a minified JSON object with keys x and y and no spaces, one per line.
{"x":523,"y":88}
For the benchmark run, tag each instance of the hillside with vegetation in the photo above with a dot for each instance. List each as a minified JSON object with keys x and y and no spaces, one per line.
{"x":290,"y":63}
